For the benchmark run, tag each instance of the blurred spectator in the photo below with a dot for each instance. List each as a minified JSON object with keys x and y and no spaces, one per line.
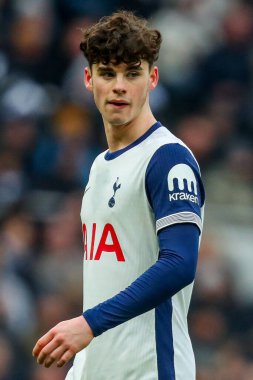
{"x":16,"y":298}
{"x":63,"y":156}
{"x":214,"y":276}
{"x":61,"y":247}
{"x":30,"y":43}
{"x":190,"y":29}
{"x":235,"y":177}
{"x":200,"y":134}
{"x":6,"y":359}
{"x":12,"y":181}
{"x":227,"y":68}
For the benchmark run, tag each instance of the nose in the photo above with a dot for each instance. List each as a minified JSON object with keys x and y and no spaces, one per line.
{"x":119,"y":85}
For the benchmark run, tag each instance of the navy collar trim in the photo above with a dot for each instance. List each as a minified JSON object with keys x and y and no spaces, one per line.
{"x":111,"y":155}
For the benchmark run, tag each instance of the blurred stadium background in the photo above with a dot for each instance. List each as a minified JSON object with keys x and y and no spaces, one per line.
{"x":50,"y":132}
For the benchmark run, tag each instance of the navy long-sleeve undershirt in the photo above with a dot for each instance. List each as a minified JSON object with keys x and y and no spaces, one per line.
{"x":174,"y":269}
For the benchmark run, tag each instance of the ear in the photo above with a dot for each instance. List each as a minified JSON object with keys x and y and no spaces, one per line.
{"x":88,"y":79}
{"x":154,"y":77}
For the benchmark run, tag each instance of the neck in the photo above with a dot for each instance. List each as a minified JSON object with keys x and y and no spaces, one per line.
{"x":120,"y":136}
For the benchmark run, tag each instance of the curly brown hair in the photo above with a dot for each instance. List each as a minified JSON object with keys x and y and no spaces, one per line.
{"x":121,"y":37}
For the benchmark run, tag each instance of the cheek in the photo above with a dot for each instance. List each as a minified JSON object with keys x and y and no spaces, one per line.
{"x":98,"y":97}
{"x":141,"y":94}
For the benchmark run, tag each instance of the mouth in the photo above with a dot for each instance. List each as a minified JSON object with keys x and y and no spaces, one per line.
{"x":118,"y":103}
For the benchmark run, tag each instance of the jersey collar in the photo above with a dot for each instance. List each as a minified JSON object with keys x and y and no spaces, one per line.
{"x":111,"y":155}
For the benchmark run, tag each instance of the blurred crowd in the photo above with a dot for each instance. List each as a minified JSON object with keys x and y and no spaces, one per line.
{"x":50,"y":132}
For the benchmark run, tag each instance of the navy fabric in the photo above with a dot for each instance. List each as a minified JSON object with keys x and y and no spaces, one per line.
{"x":174,"y":269}
{"x":164,"y":341}
{"x":163,"y":201}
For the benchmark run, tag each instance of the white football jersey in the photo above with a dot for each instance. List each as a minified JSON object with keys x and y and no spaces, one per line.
{"x":120,"y":243}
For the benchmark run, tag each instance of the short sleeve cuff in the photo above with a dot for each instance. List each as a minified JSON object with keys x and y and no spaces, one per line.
{"x":180,"y":217}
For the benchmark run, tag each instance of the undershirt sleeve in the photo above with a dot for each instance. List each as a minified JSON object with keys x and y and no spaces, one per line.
{"x":174,"y":269}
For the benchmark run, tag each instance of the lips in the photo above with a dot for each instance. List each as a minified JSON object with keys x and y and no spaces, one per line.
{"x":118,"y":102}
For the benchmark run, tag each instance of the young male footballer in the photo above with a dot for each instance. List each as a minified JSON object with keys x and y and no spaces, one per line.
{"x":142,"y":216}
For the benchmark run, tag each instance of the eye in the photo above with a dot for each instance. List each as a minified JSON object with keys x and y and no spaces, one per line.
{"x":107,"y":74}
{"x":133,"y":74}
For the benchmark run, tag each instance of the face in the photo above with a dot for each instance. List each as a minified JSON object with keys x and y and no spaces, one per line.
{"x":121,"y":91}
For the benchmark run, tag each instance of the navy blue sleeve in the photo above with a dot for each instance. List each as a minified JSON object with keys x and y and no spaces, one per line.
{"x":174,"y":269}
{"x":174,"y":187}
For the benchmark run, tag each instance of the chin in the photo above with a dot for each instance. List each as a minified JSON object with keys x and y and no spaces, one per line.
{"x":118,"y":122}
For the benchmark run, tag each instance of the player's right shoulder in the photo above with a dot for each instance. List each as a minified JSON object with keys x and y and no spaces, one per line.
{"x":98,"y":160}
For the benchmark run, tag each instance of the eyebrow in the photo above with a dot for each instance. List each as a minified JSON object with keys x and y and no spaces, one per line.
{"x":104,"y":69}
